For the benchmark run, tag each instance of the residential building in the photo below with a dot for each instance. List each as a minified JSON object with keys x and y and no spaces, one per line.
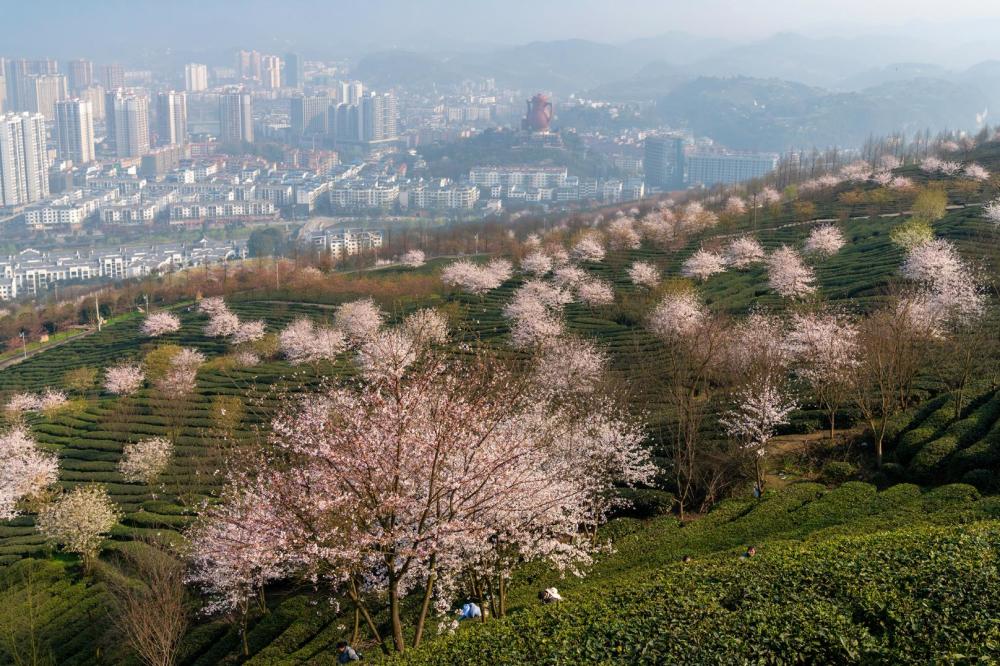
{"x":127,"y":123}
{"x":663,"y":162}
{"x":95,"y":95}
{"x":710,"y":169}
{"x":236,"y":117}
{"x":113,"y":77}
{"x":347,"y":242}
{"x":16,"y":73}
{"x":43,"y":93}
{"x":359,"y":194}
{"x":80,"y":74}
{"x":309,"y":115}
{"x":248,"y":65}
{"x":270,"y":72}
{"x":74,"y":130}
{"x":379,"y":118}
{"x":195,"y":77}
{"x":23,"y":159}
{"x":171,"y":118}
{"x":519,"y":176}
{"x":294,"y":76}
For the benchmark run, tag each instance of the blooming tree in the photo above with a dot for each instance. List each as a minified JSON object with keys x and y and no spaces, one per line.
{"x":249,"y":332}
{"x":25,"y":471}
{"x":568,"y":277}
{"x":212,"y":306}
{"x":622,"y":234}
{"x":788,"y":275}
{"x":499,"y":270}
{"x":974,"y":171}
{"x":825,"y":350}
{"x":469,"y":277}
{"x":145,"y":460}
{"x":703,"y":264}
{"x":589,"y":248}
{"x":678,"y":314}
{"x":303,"y":342}
{"x":991,"y":211}
{"x":124,"y":379}
{"x":535,"y":312}
{"x":736,"y":205}
{"x":223,"y":324}
{"x":536,"y":263}
{"x":413,"y":259}
{"x":427,"y":326}
{"x":758,"y":410}
{"x":79,"y":520}
{"x":20,"y":403}
{"x":386,"y":355}
{"x":359,"y":320}
{"x":825,"y":240}
{"x":595,"y":293}
{"x":160,"y":323}
{"x":182,"y":371}
{"x":569,"y":366}
{"x":743,"y":251}
{"x":644,"y":274}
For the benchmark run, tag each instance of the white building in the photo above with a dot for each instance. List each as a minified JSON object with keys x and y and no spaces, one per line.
{"x":128,"y":123}
{"x":23,"y":159}
{"x":75,"y":130}
{"x":195,"y":77}
{"x":519,"y":176}
{"x":347,"y":242}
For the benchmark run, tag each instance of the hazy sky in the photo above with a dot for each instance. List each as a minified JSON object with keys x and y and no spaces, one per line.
{"x":67,"y":27}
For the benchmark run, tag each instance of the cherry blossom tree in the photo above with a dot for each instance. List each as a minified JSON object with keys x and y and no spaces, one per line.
{"x":247,"y":359}
{"x":413,"y":259}
{"x":427,"y":326}
{"x":788,"y":275}
{"x":469,"y":277}
{"x":124,"y":379}
{"x":536,"y":263}
{"x":595,"y":293}
{"x":535,"y":313}
{"x":182,"y":371}
{"x":569,"y":366}
{"x":212,"y":306}
{"x":160,"y":323}
{"x":359,"y":320}
{"x":145,"y":460}
{"x":825,"y":240}
{"x":249,"y":332}
{"x":644,"y":274}
{"x":25,"y":471}
{"x":589,"y":248}
{"x":769,"y":196}
{"x":743,"y":252}
{"x":303,"y":342}
{"x":825,"y":350}
{"x":950,"y":292}
{"x":974,"y":171}
{"x":568,"y":277}
{"x":385,"y":356}
{"x":758,"y":411}
{"x":703,"y":264}
{"x":499,"y":270}
{"x":52,"y":399}
{"x":79,"y":520}
{"x":622,"y":235}
{"x":678,"y":314}
{"x":222,"y":324}
{"x":856,"y":172}
{"x":21,"y":403}
{"x":736,"y":206}
{"x":991,"y":211}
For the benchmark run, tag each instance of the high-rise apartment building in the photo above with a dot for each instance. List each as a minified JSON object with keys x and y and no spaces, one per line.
{"x":75,"y":130}
{"x":236,"y":117}
{"x":270,"y":67}
{"x":95,"y":95}
{"x":710,"y":169}
{"x":44,"y":67}
{"x":309,"y":115}
{"x":195,"y":77}
{"x":127,"y":123}
{"x":379,"y":117}
{"x":663,"y":162}
{"x":80,"y":74}
{"x":16,"y":73}
{"x":294,"y":75}
{"x":353,"y":92}
{"x":113,"y":77}
{"x":23,"y":159}
{"x":248,"y":65}
{"x":44,"y":91}
{"x":171,"y":118}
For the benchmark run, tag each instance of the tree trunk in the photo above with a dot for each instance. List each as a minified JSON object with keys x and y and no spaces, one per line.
{"x":359,"y":606}
{"x":425,"y":608}
{"x":397,"y":621}
{"x":357,"y":625}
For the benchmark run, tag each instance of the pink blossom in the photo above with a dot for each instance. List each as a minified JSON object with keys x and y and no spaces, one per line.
{"x":223,"y":324}
{"x":52,"y":399}
{"x":246,"y":359}
{"x":595,"y":293}
{"x":759,"y":409}
{"x":25,"y":471}
{"x":679,"y":314}
{"x":180,"y":377}
{"x":825,"y":240}
{"x":744,"y":251}
{"x":469,"y":277}
{"x":770,"y":196}
{"x":644,"y":274}
{"x":145,"y":460}
{"x":824,"y":347}
{"x":413,"y":259}
{"x":385,"y":356}
{"x":991,"y":211}
{"x":857,"y":172}
{"x":124,"y":379}
{"x":976,"y":172}
{"x":589,"y":248}
{"x":248,"y":332}
{"x":303,"y":342}
{"x":212,"y":306}
{"x":569,"y":366}
{"x":568,"y":277}
{"x":536,"y":263}
{"x":787,"y":275}
{"x":703,"y":264}
{"x":622,"y":235}
{"x":499,"y":270}
{"x":427,"y":326}
{"x":160,"y":323}
{"x":735,"y":206}
{"x":358,"y":320}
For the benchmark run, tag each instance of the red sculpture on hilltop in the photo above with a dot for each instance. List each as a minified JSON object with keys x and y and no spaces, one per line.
{"x":539,"y":115}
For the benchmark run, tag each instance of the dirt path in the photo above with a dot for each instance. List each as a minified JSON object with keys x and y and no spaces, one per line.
{"x":38,"y":350}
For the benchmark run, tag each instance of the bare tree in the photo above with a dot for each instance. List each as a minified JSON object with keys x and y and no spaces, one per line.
{"x":151,"y":610}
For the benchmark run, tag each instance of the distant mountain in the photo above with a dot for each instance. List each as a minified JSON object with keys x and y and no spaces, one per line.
{"x":901,"y":71}
{"x":679,"y":48}
{"x":653,"y":80}
{"x":748,"y":113}
{"x":388,"y":68}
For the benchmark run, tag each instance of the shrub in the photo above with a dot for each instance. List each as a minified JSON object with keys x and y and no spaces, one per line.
{"x":911,"y":442}
{"x":984,"y":480}
{"x":927,"y":464}
{"x":837,"y":472}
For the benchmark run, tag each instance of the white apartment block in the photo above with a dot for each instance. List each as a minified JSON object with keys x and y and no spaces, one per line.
{"x":347,"y":242}
{"x":522,"y":176}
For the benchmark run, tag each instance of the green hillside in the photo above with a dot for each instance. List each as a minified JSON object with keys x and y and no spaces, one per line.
{"x":929,"y":589}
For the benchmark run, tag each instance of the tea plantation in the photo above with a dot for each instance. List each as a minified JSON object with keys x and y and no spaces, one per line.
{"x":906,"y":574}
